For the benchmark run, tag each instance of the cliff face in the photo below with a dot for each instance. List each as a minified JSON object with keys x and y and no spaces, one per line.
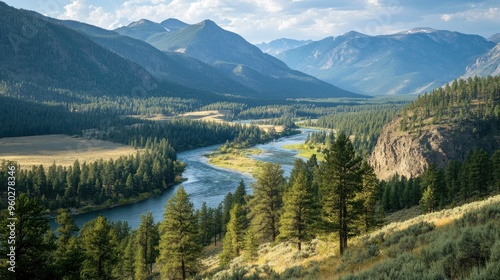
{"x":409,"y":154}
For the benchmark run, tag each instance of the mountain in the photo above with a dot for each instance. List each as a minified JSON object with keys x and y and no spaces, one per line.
{"x":438,"y":127}
{"x":413,"y":61}
{"x":495,"y":38}
{"x":52,"y":55}
{"x":243,"y":62}
{"x":486,"y":64}
{"x":278,"y":46}
{"x":144,"y":28}
{"x":168,"y":67}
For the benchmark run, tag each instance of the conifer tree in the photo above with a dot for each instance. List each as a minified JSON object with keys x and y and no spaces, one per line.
{"x":341,"y":181}
{"x":300,"y":212}
{"x":234,"y":239}
{"x":147,"y":239}
{"x":265,"y":206}
{"x":251,"y":248}
{"x":32,"y":248}
{"x":368,"y":197}
{"x":68,"y":253}
{"x":100,"y":248}
{"x":179,"y":239}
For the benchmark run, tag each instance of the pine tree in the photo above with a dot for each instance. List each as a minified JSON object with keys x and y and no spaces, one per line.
{"x":251,"y":249}
{"x":369,"y":216}
{"x":179,"y":241}
{"x":33,"y":248}
{"x":205,"y":221}
{"x":100,"y":248}
{"x":68,"y":253}
{"x":341,"y":181}
{"x":428,"y":201}
{"x":300,"y":212}
{"x":234,"y":239}
{"x":265,"y":206}
{"x":147,"y":239}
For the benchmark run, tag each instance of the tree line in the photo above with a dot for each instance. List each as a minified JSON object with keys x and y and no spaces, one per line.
{"x":340,"y":196}
{"x":100,"y":182}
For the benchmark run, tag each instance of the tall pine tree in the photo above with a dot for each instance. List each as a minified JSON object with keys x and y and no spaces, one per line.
{"x":179,"y":239}
{"x":341,"y":180}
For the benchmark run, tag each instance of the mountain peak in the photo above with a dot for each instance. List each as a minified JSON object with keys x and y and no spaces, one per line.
{"x":419,"y":30}
{"x":141,"y":22}
{"x":495,"y":38}
{"x":173,"y":24}
{"x":354,"y":34}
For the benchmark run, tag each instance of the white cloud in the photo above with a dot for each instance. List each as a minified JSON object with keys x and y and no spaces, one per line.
{"x":264,"y":20}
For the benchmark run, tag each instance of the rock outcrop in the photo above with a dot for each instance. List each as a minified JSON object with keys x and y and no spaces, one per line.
{"x":409,"y":154}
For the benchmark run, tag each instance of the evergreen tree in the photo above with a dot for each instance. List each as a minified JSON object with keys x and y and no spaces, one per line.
{"x":205,"y":221}
{"x":33,"y":248}
{"x":240,"y":194}
{"x":342,"y":179}
{"x":234,"y":239}
{"x":147,"y":239}
{"x":251,"y":249}
{"x":68,"y":255}
{"x":265,"y":206}
{"x":179,"y":242}
{"x":100,"y":249}
{"x":368,"y":197}
{"x":300,"y":212}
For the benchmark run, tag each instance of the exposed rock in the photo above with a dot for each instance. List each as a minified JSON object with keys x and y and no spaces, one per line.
{"x":409,"y":154}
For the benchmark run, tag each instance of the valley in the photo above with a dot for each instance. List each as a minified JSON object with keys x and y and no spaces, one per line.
{"x":162,"y":148}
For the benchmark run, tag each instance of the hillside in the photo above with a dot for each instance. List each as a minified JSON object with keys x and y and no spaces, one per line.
{"x":411,"y":249}
{"x":278,"y":46}
{"x":414,"y":61}
{"x":243,"y":62}
{"x":441,"y":126}
{"x":486,"y":64}
{"x":168,"y":67}
{"x":58,"y":57}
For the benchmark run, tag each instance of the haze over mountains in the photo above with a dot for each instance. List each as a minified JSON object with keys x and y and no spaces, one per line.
{"x":173,"y":56}
{"x":234,"y":57}
{"x":414,"y":61}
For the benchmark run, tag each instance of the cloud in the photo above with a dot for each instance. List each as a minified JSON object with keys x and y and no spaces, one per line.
{"x":264,"y":20}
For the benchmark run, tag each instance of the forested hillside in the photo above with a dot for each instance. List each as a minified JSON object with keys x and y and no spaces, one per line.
{"x":440,"y":126}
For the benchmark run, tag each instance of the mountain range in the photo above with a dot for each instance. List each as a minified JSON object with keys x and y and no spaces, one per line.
{"x":236,"y":58}
{"x":413,"y":61}
{"x":174,"y":58}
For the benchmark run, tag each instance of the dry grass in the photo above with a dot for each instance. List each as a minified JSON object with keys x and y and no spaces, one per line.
{"x":324,"y":250}
{"x":61,"y":149}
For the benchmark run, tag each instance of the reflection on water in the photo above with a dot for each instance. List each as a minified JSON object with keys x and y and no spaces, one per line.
{"x":205,"y":182}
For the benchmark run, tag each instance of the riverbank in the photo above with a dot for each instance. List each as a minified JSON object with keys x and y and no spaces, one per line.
{"x":236,"y":159}
{"x":306,"y":151}
{"x":113,"y":204}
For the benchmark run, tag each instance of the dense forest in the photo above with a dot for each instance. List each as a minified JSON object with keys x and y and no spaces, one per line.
{"x":339,"y":196}
{"x":475,"y":100}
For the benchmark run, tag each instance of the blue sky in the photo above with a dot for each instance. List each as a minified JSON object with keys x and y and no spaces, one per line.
{"x":265,"y":20}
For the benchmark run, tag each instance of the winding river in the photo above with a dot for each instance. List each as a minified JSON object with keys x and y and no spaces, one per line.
{"x":204,"y":182}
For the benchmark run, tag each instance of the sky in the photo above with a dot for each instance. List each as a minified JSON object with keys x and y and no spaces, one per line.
{"x":265,"y":20}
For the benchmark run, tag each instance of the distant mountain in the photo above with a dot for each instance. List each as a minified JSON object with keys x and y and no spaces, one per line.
{"x":278,"y":46}
{"x":55,"y":56}
{"x":144,"y":28}
{"x":243,"y":62}
{"x":169,"y":67}
{"x":495,"y":38}
{"x":486,"y":64}
{"x":413,"y":61}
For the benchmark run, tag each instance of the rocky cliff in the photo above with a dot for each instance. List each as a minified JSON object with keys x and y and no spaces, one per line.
{"x":409,"y":153}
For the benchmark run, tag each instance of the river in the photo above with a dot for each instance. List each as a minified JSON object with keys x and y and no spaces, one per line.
{"x":204,"y":182}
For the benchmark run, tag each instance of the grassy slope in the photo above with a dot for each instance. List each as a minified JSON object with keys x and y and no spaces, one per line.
{"x":385,"y":248}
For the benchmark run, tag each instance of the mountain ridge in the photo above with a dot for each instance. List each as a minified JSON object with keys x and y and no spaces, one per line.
{"x":412,"y":61}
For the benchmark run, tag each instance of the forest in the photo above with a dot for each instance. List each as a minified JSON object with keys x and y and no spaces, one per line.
{"x":339,"y":196}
